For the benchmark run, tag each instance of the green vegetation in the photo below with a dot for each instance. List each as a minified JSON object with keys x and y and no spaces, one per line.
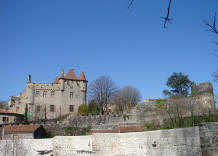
{"x":125,"y":117}
{"x":160,"y":103}
{"x":179,"y":84}
{"x":193,"y":94}
{"x":26,"y":115}
{"x":83,"y":110}
{"x":61,"y":118}
{"x":48,"y":134}
{"x":3,"y":105}
{"x":75,"y":131}
{"x":91,"y":109}
{"x":180,"y":123}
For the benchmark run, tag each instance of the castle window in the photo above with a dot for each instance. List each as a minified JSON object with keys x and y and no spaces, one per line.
{"x":71,"y":95}
{"x":5,"y":119}
{"x":52,"y":108}
{"x":52,"y":93}
{"x":44,"y":93}
{"x":38,"y":108}
{"x":71,"y":108}
{"x":37,"y":93}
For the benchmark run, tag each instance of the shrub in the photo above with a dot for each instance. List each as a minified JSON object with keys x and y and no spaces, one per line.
{"x":76,"y":131}
{"x":83,"y":110}
{"x":93,"y":108}
{"x":160,"y":103}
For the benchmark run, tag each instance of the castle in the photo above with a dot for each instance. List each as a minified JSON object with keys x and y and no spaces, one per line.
{"x":48,"y":101}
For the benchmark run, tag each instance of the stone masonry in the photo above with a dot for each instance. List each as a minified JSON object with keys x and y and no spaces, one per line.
{"x":47,"y":101}
{"x":202,"y":102}
{"x":193,"y":141}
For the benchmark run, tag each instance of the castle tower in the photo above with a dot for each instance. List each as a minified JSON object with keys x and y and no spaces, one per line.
{"x":83,"y":85}
{"x":62,"y":80}
{"x":30,"y":91}
{"x":29,"y":100}
{"x":204,"y":96}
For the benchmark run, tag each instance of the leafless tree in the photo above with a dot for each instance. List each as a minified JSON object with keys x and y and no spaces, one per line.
{"x":166,"y":19}
{"x":127,"y":97}
{"x":212,"y":27}
{"x":101,"y":90}
{"x":176,"y":111}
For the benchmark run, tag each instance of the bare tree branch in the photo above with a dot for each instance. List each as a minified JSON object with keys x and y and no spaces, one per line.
{"x":212,"y":25}
{"x":126,"y":98}
{"x":215,"y":76}
{"x":167,"y":18}
{"x":130,"y":4}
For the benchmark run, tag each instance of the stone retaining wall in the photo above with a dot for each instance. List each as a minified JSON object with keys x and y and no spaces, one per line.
{"x":195,"y":141}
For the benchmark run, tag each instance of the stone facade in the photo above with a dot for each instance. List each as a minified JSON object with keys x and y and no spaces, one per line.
{"x":7,"y":117}
{"x":193,"y":141}
{"x":47,"y":101}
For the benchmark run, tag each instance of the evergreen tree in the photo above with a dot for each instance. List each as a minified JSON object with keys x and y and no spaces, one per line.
{"x":179,"y":84}
{"x":26,"y":115}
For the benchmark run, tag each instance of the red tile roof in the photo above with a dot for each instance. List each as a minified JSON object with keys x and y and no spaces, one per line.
{"x":82,"y":76}
{"x":126,"y":129}
{"x":56,"y":80}
{"x":71,"y":75}
{"x":21,"y":128}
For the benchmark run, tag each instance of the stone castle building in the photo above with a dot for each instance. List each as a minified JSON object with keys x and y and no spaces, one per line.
{"x":48,"y":101}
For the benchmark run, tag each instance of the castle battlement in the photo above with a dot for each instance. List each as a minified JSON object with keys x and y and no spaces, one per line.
{"x":202,"y":88}
{"x":50,"y":100}
{"x":45,"y":86}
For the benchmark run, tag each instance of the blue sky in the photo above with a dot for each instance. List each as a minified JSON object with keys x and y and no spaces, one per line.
{"x":103,"y":37}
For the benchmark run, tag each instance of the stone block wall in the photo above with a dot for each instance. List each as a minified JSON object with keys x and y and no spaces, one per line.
{"x":209,"y":139}
{"x":110,"y":121}
{"x":55,"y":128}
{"x":174,"y":142}
{"x":26,"y":147}
{"x":195,"y":141}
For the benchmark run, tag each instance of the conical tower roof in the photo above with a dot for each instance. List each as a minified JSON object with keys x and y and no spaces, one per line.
{"x":82,"y":76}
{"x":71,"y":75}
{"x":56,"y":80}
